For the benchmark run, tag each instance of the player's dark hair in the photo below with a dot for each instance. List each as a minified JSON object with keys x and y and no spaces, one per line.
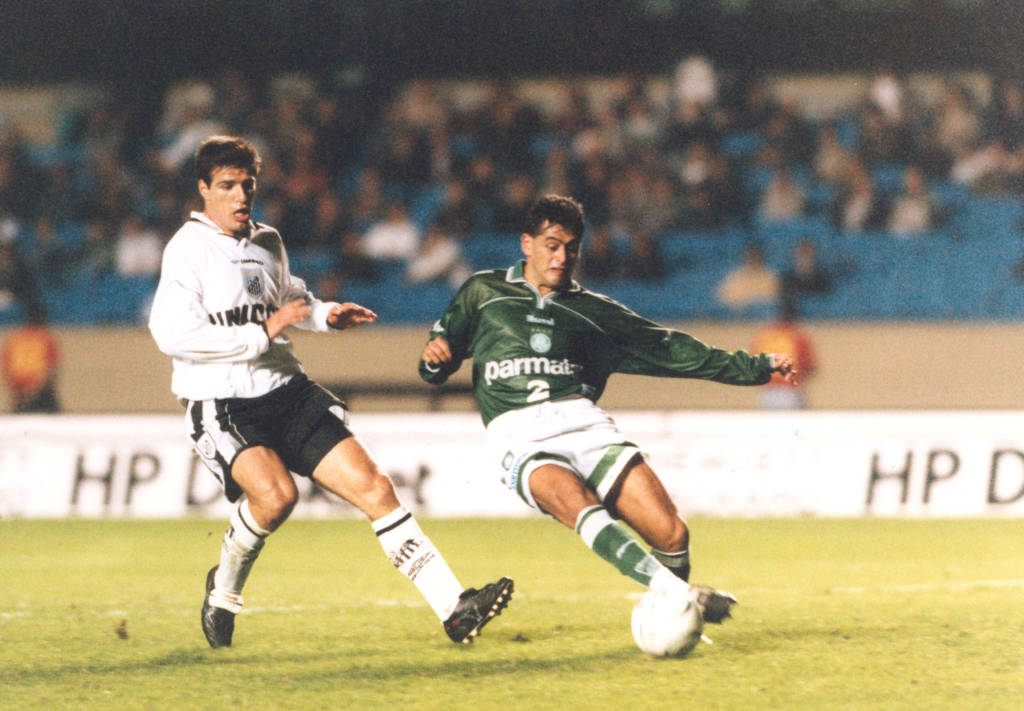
{"x":556,"y":210}
{"x":226,"y":152}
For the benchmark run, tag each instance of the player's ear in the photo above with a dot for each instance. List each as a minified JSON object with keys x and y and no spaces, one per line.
{"x":526,"y":243}
{"x":203,"y":187}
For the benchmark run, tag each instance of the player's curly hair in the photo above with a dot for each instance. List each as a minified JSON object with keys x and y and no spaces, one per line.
{"x":226,"y":151}
{"x":556,"y":210}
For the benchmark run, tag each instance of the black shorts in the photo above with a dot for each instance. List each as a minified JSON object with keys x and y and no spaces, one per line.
{"x":300,"y":420}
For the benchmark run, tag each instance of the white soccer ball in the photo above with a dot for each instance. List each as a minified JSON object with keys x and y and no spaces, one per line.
{"x":666,"y":624}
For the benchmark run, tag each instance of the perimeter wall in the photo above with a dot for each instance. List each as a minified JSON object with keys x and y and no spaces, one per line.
{"x":875,"y":366}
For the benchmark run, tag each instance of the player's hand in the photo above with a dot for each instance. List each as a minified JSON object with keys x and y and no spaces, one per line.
{"x":436,"y":352}
{"x":288,"y":315}
{"x":784,"y":365}
{"x":347,"y":315}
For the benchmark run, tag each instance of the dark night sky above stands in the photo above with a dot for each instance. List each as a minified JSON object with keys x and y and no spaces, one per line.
{"x":152,"y":42}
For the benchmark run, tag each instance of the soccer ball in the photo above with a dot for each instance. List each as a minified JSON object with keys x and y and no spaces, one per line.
{"x":666,"y":624}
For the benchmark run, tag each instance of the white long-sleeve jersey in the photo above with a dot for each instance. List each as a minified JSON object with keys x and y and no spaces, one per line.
{"x":214,"y":294}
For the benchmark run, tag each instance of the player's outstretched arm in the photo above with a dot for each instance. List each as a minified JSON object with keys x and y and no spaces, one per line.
{"x":348,"y":314}
{"x":783,"y":363}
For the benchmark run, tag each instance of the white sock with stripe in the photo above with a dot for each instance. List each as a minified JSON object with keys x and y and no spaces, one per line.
{"x":415,"y":556}
{"x":242,"y":544}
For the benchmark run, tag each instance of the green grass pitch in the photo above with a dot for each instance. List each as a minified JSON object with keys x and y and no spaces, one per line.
{"x":859,"y":614}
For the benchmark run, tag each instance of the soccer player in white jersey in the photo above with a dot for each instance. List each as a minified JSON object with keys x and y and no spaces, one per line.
{"x":542,"y":349}
{"x":221,"y":310}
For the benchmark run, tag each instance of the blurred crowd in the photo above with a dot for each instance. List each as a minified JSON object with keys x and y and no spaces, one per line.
{"x":384,"y":180}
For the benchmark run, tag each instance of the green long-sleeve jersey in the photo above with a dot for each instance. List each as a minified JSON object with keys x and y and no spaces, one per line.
{"x":527,"y":348}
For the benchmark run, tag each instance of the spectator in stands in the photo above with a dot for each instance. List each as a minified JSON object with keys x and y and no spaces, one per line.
{"x":95,"y":256}
{"x":1005,"y":121}
{"x":21,"y":183}
{"x":780,"y":393}
{"x":788,"y":137}
{"x":914,"y":210}
{"x":783,"y":200}
{"x":367,"y":200}
{"x":662,"y":213}
{"x":696,"y":82}
{"x":806,"y":276}
{"x":394,"y":237}
{"x":405,"y":162}
{"x":707,"y":189}
{"x":880,"y":142}
{"x":329,"y":222}
{"x":599,"y":262}
{"x":640,"y":124}
{"x":645,"y":262}
{"x":832,"y":160}
{"x":590,"y":184}
{"x":483,"y":185}
{"x":30,"y":363}
{"x":512,"y":126}
{"x":517,"y":195}
{"x":888,"y":94}
{"x":17,"y":281}
{"x":304,"y":178}
{"x":957,"y":123}
{"x":438,"y":259}
{"x":990,"y":169}
{"x":752,"y":283}
{"x":555,"y":171}
{"x":137,"y":249}
{"x":351,"y":267}
{"x":456,"y":211}
{"x":859,"y":206}
{"x":50,"y":256}
{"x":187,"y":119}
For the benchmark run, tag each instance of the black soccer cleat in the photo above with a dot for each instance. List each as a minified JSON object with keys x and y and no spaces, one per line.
{"x":715,"y":605}
{"x":218,"y":623}
{"x":476,"y":608}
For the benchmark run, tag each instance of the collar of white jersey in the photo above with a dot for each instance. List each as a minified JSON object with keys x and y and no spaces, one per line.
{"x":516,"y":275}
{"x":201,"y":217}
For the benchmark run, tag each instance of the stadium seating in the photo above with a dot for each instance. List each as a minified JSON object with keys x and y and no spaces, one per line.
{"x":964,"y":270}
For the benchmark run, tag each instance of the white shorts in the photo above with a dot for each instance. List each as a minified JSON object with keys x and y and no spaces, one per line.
{"x":573,"y":433}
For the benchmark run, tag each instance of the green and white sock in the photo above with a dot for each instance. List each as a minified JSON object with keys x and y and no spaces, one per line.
{"x":616,"y":545}
{"x":242,"y":544}
{"x":415,"y":556}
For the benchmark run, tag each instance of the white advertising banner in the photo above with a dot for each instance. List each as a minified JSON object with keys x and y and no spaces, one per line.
{"x":714,"y":463}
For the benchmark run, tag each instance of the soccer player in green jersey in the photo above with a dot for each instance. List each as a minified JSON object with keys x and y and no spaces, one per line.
{"x":543,"y":348}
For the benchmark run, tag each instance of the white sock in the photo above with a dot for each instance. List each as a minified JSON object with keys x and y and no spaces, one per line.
{"x":416,"y":557}
{"x":243,"y":542}
{"x":665,"y":579}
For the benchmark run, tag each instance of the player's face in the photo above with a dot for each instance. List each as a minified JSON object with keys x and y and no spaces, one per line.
{"x":551,"y":257}
{"x":227,"y":200}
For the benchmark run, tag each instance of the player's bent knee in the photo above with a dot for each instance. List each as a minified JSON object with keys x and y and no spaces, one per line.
{"x":673,"y":536}
{"x":274,"y":503}
{"x":380,"y":492}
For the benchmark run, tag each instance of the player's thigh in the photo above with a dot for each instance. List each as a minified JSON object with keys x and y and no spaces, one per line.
{"x":349,"y":471}
{"x":640,"y":499}
{"x":560,"y":492}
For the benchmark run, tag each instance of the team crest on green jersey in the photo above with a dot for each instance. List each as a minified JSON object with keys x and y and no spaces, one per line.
{"x":540,"y":342}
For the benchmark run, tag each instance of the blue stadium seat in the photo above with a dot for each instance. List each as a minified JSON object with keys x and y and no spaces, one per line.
{"x":310,"y":264}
